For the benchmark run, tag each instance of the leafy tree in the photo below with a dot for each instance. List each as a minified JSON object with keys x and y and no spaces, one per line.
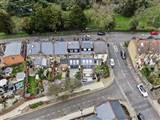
{"x":78,"y":75}
{"x":134,"y":23}
{"x":78,"y":19}
{"x":26,"y":25}
{"x":54,"y":90}
{"x":20,"y":7}
{"x":101,"y":17}
{"x":6,"y":24}
{"x":44,"y":19}
{"x":129,"y":7}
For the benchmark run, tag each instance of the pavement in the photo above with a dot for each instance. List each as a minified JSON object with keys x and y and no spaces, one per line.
{"x":77,"y":114}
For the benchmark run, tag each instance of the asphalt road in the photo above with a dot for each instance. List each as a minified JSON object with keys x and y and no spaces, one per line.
{"x":124,"y":88}
{"x":127,"y":81}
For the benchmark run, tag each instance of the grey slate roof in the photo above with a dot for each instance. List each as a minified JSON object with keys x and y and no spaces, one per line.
{"x":60,"y":48}
{"x":42,"y":61}
{"x":105,"y":112}
{"x":100,"y":47}
{"x":117,"y":108}
{"x":33,"y":48}
{"x":73,"y":45}
{"x":13,"y":48}
{"x":111,"y":110}
{"x":47,"y":48}
{"x":86,"y":44}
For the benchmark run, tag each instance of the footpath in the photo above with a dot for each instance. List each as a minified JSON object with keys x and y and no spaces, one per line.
{"x":91,"y":87}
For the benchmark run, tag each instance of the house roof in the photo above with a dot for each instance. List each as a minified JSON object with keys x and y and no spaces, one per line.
{"x":60,"y":47}
{"x":40,"y":61}
{"x":118,"y":110}
{"x":87,"y":61}
{"x":47,"y":48}
{"x":11,"y":60}
{"x":146,"y":46}
{"x":20,"y":76}
{"x":33,"y":48}
{"x":13,"y":48}
{"x":111,"y":110}
{"x":100,"y":47}
{"x":86,"y":44}
{"x":3,"y":82}
{"x":73,"y":45}
{"x":105,"y":112}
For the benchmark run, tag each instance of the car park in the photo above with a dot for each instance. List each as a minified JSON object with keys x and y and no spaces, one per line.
{"x":142,"y":90}
{"x":140,"y":116}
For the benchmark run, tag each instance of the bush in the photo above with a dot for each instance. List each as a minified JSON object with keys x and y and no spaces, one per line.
{"x":35,"y":105}
{"x":133,"y":24}
{"x":146,"y":71}
{"x":6,"y":23}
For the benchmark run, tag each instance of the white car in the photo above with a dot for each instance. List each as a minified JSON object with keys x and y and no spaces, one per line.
{"x":112,"y":63}
{"x":142,"y":90}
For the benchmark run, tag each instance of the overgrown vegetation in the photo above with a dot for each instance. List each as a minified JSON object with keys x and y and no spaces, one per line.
{"x":102,"y":70}
{"x":32,"y":16}
{"x":151,"y":75}
{"x":32,"y":85}
{"x":18,"y":68}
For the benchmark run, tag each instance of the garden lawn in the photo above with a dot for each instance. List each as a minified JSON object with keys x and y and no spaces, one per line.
{"x":32,"y":88}
{"x":122,"y":23}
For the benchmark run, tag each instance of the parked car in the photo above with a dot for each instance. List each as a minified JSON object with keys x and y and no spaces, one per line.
{"x":101,"y":33}
{"x":107,"y":44}
{"x":123,"y":54}
{"x":154,"y":33}
{"x":140,"y":116}
{"x":112,"y":63}
{"x":142,"y":90}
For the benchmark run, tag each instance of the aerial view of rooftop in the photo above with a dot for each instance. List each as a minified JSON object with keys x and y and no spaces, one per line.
{"x":79,"y":59}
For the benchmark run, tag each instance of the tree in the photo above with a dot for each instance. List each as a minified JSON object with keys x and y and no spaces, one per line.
{"x":134,"y":23}
{"x":54,"y":89}
{"x":78,"y":19}
{"x":48,"y":19}
{"x":101,"y":17}
{"x":26,"y":25}
{"x":129,"y":7}
{"x":6,"y":24}
{"x":20,"y":7}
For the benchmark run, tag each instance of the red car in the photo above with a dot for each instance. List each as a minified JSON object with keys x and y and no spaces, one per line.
{"x":154,"y":33}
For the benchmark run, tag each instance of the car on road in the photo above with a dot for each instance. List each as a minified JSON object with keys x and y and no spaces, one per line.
{"x":140,"y":116}
{"x":142,"y":90}
{"x":101,"y":33}
{"x":154,"y":33}
{"x":112,"y":63}
{"x":123,"y":54}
